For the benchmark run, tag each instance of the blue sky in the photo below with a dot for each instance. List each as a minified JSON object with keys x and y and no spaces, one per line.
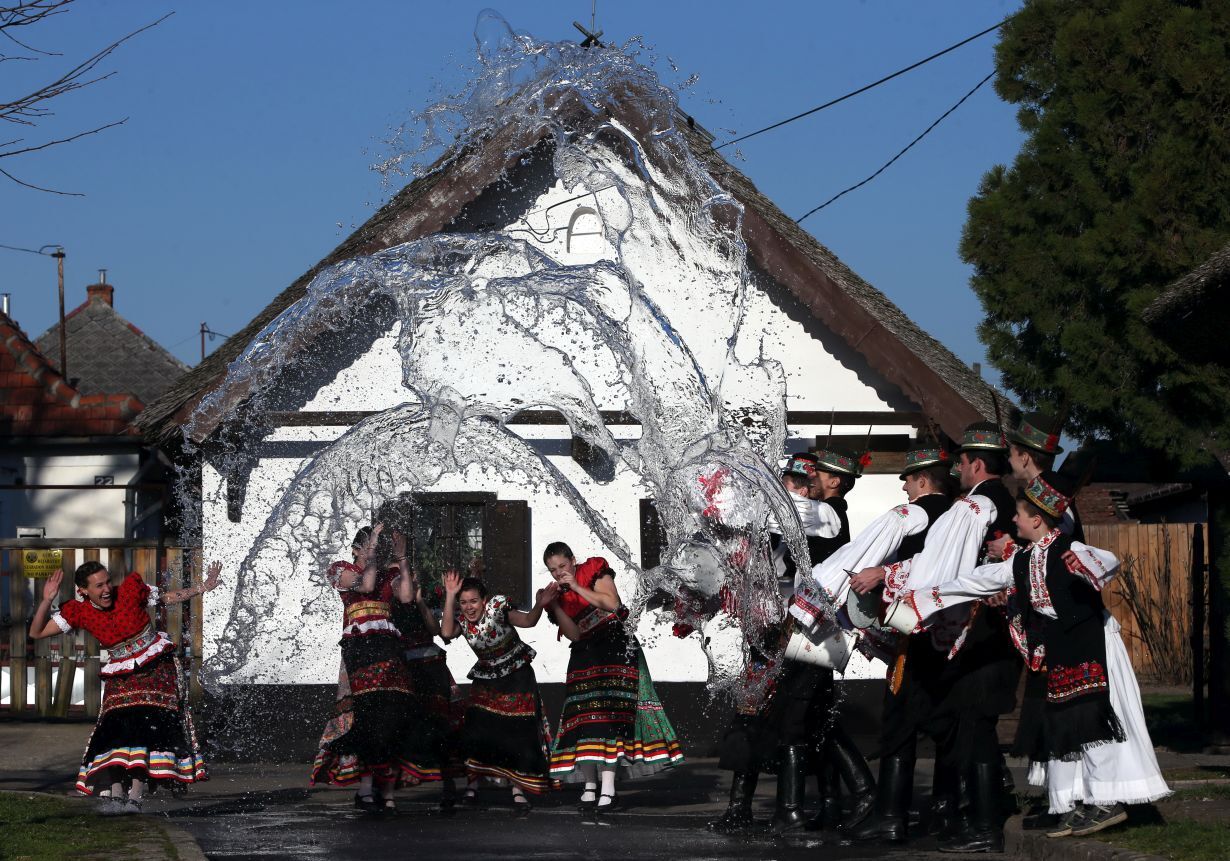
{"x":252,"y":128}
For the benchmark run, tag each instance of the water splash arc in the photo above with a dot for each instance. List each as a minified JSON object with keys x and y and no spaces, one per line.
{"x":486,"y":324}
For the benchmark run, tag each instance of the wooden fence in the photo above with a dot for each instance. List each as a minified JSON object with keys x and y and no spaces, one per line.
{"x":58,"y":662}
{"x":1159,"y":596}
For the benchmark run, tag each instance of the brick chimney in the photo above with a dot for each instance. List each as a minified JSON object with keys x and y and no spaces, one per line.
{"x":102,"y":291}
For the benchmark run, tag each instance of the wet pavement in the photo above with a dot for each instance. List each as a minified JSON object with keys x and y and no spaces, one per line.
{"x":660,"y":818}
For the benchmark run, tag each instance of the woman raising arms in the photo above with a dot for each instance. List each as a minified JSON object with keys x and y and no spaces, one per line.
{"x":506,"y":733}
{"x":612,"y":716}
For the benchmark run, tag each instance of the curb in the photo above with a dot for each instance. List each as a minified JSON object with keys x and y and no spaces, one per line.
{"x":185,"y":844}
{"x":1038,"y":847}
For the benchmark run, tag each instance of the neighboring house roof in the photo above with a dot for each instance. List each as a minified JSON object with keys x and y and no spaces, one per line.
{"x":947,"y":390}
{"x":1193,"y":312}
{"x":35,"y":401}
{"x":108,"y":354}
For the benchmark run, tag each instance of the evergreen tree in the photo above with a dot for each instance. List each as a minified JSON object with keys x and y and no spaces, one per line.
{"x":1122,"y":185}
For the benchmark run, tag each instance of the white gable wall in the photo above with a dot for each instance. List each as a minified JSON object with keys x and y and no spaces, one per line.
{"x":817,"y":379}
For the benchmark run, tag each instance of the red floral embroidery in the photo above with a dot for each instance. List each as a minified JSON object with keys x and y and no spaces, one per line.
{"x":1063,"y":683}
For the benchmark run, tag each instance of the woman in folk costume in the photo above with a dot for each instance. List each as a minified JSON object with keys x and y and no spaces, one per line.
{"x":612,"y":717}
{"x":506,"y":733}
{"x":327,"y":767}
{"x":387,"y":742}
{"x":1092,"y":730}
{"x":144,"y":730}
{"x":441,"y":708}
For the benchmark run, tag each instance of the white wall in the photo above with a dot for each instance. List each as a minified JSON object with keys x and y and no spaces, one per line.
{"x":819,"y":375}
{"x":67,"y":513}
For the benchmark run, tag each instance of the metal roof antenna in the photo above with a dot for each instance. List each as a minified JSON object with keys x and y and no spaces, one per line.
{"x":832,"y":417}
{"x":592,"y":34}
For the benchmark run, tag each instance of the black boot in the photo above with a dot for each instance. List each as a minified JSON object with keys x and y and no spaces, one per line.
{"x":890,"y":821}
{"x":985,"y":832}
{"x":791,"y":773}
{"x":856,"y":774}
{"x":828,"y":785}
{"x":944,"y":816}
{"x":738,"y":816}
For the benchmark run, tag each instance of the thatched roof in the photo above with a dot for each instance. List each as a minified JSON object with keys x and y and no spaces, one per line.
{"x":947,"y":390}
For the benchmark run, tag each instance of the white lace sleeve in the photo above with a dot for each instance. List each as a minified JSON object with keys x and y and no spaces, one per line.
{"x":61,"y":622}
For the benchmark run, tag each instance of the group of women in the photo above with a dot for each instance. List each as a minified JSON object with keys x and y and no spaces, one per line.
{"x":400,"y":720}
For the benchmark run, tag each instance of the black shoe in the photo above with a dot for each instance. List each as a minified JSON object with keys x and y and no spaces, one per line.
{"x":1039,"y":821}
{"x":587,"y":806}
{"x":469,"y":798}
{"x":612,"y":803}
{"x":368,"y":803}
{"x":738,"y":816}
{"x":791,"y":773}
{"x":1098,"y":818}
{"x":970,"y":842}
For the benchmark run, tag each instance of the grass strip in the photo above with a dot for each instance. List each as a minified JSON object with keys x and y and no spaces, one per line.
{"x":35,"y":827}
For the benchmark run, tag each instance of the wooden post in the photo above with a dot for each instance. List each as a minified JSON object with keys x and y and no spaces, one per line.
{"x":42,"y":677}
{"x":66,"y":669}
{"x":92,"y":681}
{"x":175,"y":580}
{"x":17,"y":637}
{"x":198,"y":632}
{"x":1197,"y":637}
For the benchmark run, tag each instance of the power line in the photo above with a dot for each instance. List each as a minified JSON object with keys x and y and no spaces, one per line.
{"x":908,"y":146}
{"x":864,"y":89}
{"x":30,"y":250}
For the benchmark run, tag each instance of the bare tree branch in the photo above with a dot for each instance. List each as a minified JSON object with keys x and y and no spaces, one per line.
{"x":61,"y":140}
{"x":36,"y":105}
{"x":39,"y":187}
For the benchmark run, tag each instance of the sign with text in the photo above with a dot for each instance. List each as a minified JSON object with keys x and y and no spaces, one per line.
{"x":41,"y":563}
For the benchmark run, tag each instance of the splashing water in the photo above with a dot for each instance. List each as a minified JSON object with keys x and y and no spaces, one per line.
{"x":487,"y":324}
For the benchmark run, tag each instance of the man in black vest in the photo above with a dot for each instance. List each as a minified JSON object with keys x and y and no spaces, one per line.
{"x":782,"y":728}
{"x":919,"y":668}
{"x":832,"y":754}
{"x":987,"y":668}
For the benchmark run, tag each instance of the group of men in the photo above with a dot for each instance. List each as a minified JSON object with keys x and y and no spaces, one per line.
{"x":950,"y":681}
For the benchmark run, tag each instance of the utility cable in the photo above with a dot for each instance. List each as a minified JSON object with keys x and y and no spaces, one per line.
{"x":889,"y":163}
{"x":873,"y":84}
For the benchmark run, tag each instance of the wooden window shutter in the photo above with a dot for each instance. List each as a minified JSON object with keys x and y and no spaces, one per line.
{"x":652,"y":536}
{"x":506,"y":549}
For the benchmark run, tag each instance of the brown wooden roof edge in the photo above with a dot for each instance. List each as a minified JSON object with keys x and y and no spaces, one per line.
{"x":924,"y":369}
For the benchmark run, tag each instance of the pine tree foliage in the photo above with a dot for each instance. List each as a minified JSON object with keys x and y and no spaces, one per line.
{"x":1122,"y":186}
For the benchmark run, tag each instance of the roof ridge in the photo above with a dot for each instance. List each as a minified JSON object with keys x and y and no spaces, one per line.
{"x":946,"y":385}
{"x":26,"y":353}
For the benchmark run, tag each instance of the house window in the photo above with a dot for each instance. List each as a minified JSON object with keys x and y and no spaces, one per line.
{"x":471,"y":533}
{"x":585,"y":233}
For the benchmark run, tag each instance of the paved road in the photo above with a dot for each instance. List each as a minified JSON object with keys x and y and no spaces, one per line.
{"x":264,"y":828}
{"x":243,"y":814}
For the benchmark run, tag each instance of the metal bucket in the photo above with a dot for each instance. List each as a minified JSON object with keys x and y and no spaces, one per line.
{"x":902,"y":617}
{"x":832,"y":652}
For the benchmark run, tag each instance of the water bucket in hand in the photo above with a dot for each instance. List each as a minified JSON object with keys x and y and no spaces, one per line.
{"x":832,"y":652}
{"x":902,"y":617}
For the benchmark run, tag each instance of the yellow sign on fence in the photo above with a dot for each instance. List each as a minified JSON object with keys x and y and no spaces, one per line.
{"x":41,"y":563}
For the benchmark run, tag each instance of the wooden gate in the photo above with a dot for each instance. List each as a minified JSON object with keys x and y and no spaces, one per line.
{"x":1159,"y":596}
{"x":53,"y":668}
